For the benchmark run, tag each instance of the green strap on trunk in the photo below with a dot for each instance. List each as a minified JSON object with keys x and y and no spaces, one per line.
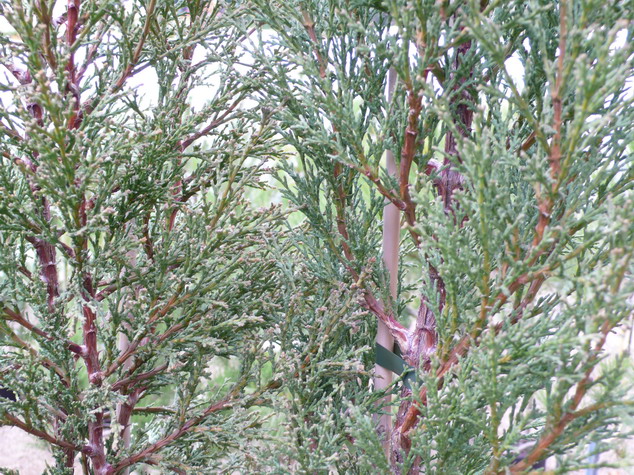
{"x":393,"y":362}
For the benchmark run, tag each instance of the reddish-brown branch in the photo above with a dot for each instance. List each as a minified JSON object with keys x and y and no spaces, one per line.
{"x":132,"y":380}
{"x":398,"y":331}
{"x":90,"y":57}
{"x":154,"y":317}
{"x":390,"y":195}
{"x":149,"y":14}
{"x":11,"y":133}
{"x":15,"y":316}
{"x":554,"y":432}
{"x":545,"y":203}
{"x":213,"y":124}
{"x":423,"y":339}
{"x":126,"y":409}
{"x":154,"y":410}
{"x":528,"y":143}
{"x":95,"y":376}
{"x":309,"y":25}
{"x":410,"y":145}
{"x":450,"y":180}
{"x":148,"y":244}
{"x":340,"y":204}
{"x":14,"y":421}
{"x":129,"y":71}
{"x":146,"y":453}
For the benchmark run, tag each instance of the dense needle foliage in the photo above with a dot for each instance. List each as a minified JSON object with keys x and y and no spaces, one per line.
{"x":511,"y":128}
{"x":132,"y":262}
{"x":152,"y":312}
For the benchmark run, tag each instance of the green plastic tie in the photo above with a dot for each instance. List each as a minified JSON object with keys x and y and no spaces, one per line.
{"x":393,"y":362}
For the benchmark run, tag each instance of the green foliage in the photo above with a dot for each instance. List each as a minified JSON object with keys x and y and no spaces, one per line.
{"x":125,"y":218}
{"x":144,"y":287}
{"x":528,"y":104}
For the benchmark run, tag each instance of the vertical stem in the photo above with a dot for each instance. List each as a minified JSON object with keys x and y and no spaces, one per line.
{"x":123,"y":344}
{"x":96,"y":446}
{"x":391,"y":234}
{"x":423,"y":338}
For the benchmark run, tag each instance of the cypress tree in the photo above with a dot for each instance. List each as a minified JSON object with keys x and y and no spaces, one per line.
{"x":455,"y":176}
{"x":510,"y":125}
{"x":136,"y":282}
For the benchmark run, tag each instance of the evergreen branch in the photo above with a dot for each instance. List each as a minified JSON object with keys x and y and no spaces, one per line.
{"x":472,"y":339}
{"x":545,"y":204}
{"x":407,"y":156}
{"x":213,"y":124}
{"x":129,"y":71}
{"x":390,"y":195}
{"x":398,"y":331}
{"x":15,"y":316}
{"x":536,"y":279}
{"x":92,"y":53}
{"x":599,"y":406}
{"x":226,"y":403}
{"x":149,"y":16}
{"x":154,"y":317}
{"x":47,"y":363}
{"x":122,"y":383}
{"x":552,"y":434}
{"x":16,"y":422}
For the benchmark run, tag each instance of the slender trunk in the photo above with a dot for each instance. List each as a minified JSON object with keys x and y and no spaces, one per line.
{"x":391,"y":235}
{"x":423,"y":336}
{"x":122,"y":417}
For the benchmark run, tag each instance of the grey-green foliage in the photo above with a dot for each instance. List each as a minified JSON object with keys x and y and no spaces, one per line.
{"x":143,"y":208}
{"x":129,"y":202}
{"x":531,"y":297}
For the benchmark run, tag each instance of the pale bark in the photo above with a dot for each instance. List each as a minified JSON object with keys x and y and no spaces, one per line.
{"x":391,"y":234}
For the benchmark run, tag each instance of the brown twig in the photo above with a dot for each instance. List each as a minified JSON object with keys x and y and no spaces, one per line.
{"x":552,"y":434}
{"x":154,"y":410}
{"x":17,"y":317}
{"x":14,"y":421}
{"x":410,"y":144}
{"x":132,"y":380}
{"x":309,"y":25}
{"x":545,"y":204}
{"x":90,"y":57}
{"x":149,"y":14}
{"x":213,"y":124}
{"x":144,"y":454}
{"x":154,"y":317}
